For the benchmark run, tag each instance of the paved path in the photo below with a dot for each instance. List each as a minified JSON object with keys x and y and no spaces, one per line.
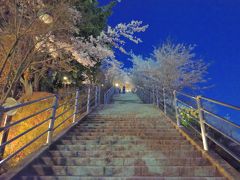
{"x":129,"y":104}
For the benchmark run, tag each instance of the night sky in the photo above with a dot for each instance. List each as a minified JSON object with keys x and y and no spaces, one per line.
{"x":213,"y":25}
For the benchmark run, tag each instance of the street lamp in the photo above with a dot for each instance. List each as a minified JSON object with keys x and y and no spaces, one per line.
{"x":46,"y":18}
{"x":116,"y":84}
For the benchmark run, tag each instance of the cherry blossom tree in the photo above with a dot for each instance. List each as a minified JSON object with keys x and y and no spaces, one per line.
{"x":25,"y":26}
{"x":36,"y":36}
{"x":115,"y":36}
{"x":171,"y":66}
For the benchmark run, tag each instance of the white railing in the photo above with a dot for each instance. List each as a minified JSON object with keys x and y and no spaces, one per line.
{"x":109,"y":94}
{"x":74,"y":106}
{"x":193,"y":112}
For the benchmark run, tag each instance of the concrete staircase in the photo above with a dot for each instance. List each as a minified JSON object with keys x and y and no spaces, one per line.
{"x":126,"y":146}
{"x":121,"y":148}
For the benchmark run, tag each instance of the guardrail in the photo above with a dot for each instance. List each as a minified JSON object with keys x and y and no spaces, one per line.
{"x":108,"y":95}
{"x":196,"y":114}
{"x":62,"y":110}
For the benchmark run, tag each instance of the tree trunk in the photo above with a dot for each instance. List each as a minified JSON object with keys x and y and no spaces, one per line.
{"x":36,"y":82}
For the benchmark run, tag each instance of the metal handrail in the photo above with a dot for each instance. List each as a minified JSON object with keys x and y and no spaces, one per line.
{"x":194,"y":118}
{"x":195,"y":129}
{"x":221,"y":103}
{"x":108,"y":95}
{"x":232,"y":139}
{"x":64,"y":112}
{"x":179,"y":104}
{"x":77,"y":109}
{"x":63,"y":121}
{"x":65,"y":103}
{"x":22,"y":148}
{"x":26,"y":103}
{"x":185,"y":104}
{"x":24,"y":119}
{"x":219,"y":117}
{"x":224,"y":148}
{"x":187,"y":95}
{"x":25,"y":132}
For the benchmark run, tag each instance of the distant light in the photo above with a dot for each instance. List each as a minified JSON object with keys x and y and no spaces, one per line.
{"x":116,"y":84}
{"x":102,"y":85}
{"x":47,"y":19}
{"x":65,"y":78}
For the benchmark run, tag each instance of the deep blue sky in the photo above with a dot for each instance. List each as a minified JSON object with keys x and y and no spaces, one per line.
{"x":213,"y":25}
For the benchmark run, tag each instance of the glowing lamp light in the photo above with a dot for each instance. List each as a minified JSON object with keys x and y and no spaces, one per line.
{"x":47,"y":19}
{"x":116,"y":84}
{"x":65,"y":78}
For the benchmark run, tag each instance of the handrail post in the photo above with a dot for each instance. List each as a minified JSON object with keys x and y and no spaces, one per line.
{"x":202,"y":125}
{"x":143,"y":96}
{"x":176,"y":108}
{"x":157,"y":95}
{"x":88,"y":100}
{"x":52,"y":121}
{"x":110,"y":92}
{"x":96,"y":96}
{"x":164,"y":101}
{"x":104,"y":99}
{"x":1,"y":113}
{"x":146,"y":96}
{"x":99,"y":95}
{"x":153,"y":96}
{"x":7,"y":120}
{"x":149,"y":97}
{"x":76,"y":105}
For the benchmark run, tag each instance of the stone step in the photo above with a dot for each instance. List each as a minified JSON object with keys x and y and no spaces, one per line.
{"x":103,"y":147}
{"x":125,"y":153}
{"x":123,"y":141}
{"x":137,"y":120}
{"x":163,"y":128}
{"x":166,"y":137}
{"x":121,"y":147}
{"x":115,"y":178}
{"x":155,"y":134}
{"x":124,"y":130}
{"x":123,"y":171}
{"x":125,"y":123}
{"x":128,"y":127}
{"x":76,"y":161}
{"x":125,"y":119}
{"x":113,"y":126}
{"x":103,"y":116}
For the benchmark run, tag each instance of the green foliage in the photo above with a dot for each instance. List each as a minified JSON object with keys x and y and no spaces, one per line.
{"x":188,"y":116}
{"x":94,"y":18}
{"x":93,"y":22}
